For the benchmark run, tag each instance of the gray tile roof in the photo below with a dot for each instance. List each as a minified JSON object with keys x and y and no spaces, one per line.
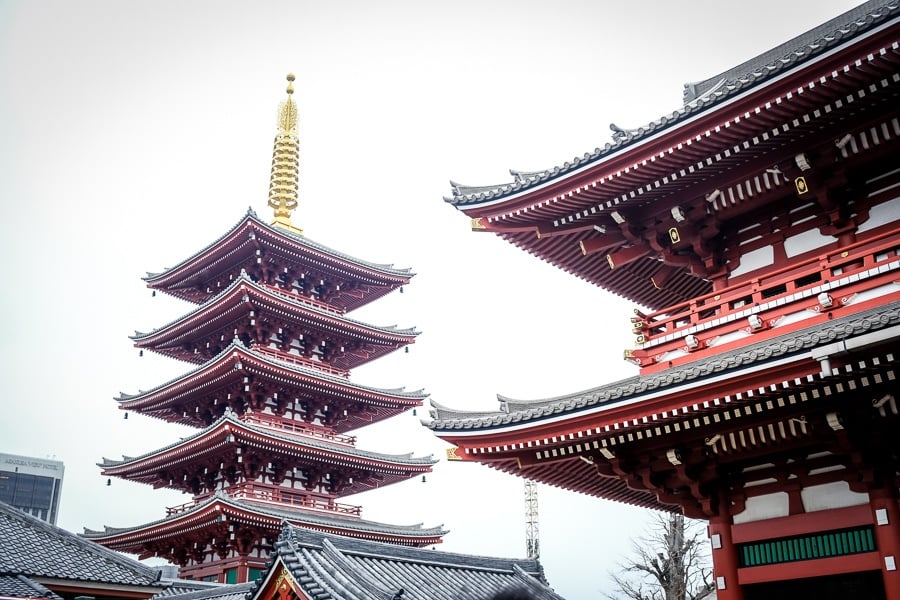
{"x":19,"y":586}
{"x":333,"y":567}
{"x":186,"y":590}
{"x":795,"y":51}
{"x":31,"y":547}
{"x":633,"y":388}
{"x":703,"y":95}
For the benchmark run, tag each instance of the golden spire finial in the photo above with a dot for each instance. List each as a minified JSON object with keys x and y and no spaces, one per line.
{"x":285,"y":163}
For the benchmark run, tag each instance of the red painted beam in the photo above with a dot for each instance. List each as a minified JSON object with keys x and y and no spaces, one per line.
{"x":823,"y":520}
{"x":803,"y":569}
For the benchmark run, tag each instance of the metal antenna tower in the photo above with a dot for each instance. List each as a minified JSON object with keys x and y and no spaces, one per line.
{"x":532,"y":536}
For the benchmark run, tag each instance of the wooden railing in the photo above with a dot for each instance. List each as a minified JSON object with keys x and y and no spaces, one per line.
{"x":275,"y":495}
{"x":824,"y":283}
{"x":306,"y":429}
{"x":302,"y":361}
{"x":296,"y":297}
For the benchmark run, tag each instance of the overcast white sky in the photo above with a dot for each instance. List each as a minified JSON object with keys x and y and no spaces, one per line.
{"x":132,"y":134}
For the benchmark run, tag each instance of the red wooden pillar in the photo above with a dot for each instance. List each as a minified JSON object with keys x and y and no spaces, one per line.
{"x":725,"y":559}
{"x":886,"y":516}
{"x":243,"y":571}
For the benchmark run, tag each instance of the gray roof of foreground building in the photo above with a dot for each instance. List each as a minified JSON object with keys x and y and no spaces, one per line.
{"x":36,"y":550}
{"x":182,"y":589}
{"x":800,"y":343}
{"x":330,"y":567}
{"x":702,"y":95}
{"x":19,"y":586}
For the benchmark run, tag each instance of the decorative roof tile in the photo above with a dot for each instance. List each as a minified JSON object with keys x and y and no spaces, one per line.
{"x":251,"y":216}
{"x":19,"y":586}
{"x":701,"y":96}
{"x":631,"y":389}
{"x":33,"y":548}
{"x":186,"y":590}
{"x":335,"y":567}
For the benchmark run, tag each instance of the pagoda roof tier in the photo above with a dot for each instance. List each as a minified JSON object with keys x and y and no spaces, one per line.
{"x":708,"y":167}
{"x":254,"y":246}
{"x":202,"y":395}
{"x":238,"y":450}
{"x":656,"y":440}
{"x":220,"y":515}
{"x":256,"y":312}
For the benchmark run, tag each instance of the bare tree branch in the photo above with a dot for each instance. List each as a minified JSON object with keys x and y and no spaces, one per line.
{"x":671,"y":562}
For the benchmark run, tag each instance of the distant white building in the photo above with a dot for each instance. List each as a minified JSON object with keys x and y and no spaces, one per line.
{"x":32,"y":485}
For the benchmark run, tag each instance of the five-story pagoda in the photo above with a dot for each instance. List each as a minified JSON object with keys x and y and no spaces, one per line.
{"x":270,"y":395}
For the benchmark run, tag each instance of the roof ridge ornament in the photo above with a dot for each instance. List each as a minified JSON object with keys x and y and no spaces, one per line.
{"x":283,"y":185}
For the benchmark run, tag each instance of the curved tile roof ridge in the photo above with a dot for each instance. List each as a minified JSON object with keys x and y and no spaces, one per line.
{"x":284,"y":514}
{"x":792,"y":343}
{"x":444,"y":412}
{"x":360,"y":576}
{"x":330,"y":577}
{"x":229,"y":416}
{"x":334,"y":566}
{"x":20,"y":586}
{"x":226,"y":591}
{"x":810,"y":42}
{"x":237,"y":345}
{"x":251,"y":215}
{"x":533,"y":582}
{"x":67,"y":555}
{"x":717,"y":89}
{"x":386,"y":267}
{"x":375,"y":549}
{"x":244,"y":278}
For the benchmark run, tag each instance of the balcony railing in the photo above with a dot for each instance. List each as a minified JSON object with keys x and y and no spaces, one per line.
{"x":277,"y":496}
{"x":828,"y":282}
{"x":296,"y":297}
{"x":305,"y":429}
{"x":302,"y":361}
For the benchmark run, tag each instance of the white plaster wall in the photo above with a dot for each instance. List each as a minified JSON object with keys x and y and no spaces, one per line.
{"x":805,"y":242}
{"x":831,"y":495}
{"x":882,"y":214}
{"x":758,"y":508}
{"x":755,"y":259}
{"x":815,"y":498}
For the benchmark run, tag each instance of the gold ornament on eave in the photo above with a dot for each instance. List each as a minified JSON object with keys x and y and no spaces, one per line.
{"x":283,"y":186}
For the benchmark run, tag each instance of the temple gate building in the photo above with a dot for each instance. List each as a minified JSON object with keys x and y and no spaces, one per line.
{"x":271,"y":347}
{"x":757,"y":229}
